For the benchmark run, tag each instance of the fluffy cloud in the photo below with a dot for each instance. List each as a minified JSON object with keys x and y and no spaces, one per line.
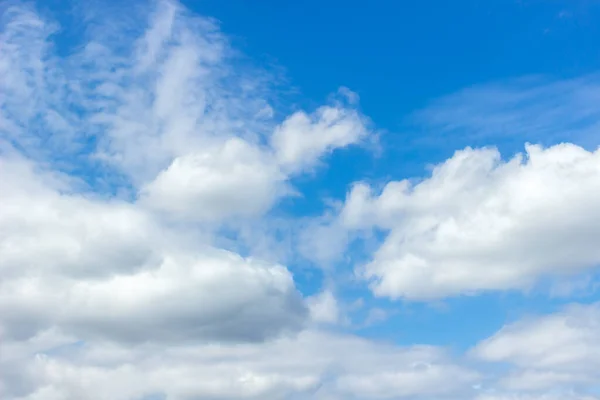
{"x":93,"y":267}
{"x":302,"y":139}
{"x":47,"y":229}
{"x":481,"y":223}
{"x":234,"y":179}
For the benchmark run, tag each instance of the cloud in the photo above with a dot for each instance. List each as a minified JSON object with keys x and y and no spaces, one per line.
{"x":323,"y":241}
{"x":554,"y":351}
{"x":302,"y":139}
{"x":535,"y":109}
{"x":117,"y":160}
{"x":127,"y":159}
{"x":324,"y":308}
{"x":480,"y":223}
{"x":311,"y":365}
{"x":234,"y":179}
{"x":134,"y":106}
{"x":109,"y":269}
{"x":162,"y":116}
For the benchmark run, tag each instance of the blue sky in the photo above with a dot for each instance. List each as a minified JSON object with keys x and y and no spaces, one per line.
{"x":401,"y":59}
{"x":299,"y":200}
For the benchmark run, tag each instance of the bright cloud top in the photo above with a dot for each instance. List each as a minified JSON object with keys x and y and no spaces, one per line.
{"x":480,"y":223}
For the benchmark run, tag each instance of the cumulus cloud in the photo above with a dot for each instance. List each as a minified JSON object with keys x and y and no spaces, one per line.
{"x":302,"y":139}
{"x":234,"y":179}
{"x":109,"y":269}
{"x":481,"y":223}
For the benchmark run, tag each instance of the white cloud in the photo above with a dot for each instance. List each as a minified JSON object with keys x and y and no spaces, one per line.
{"x":77,"y":259}
{"x":93,"y":266}
{"x":311,"y":365}
{"x":480,"y":223}
{"x":47,"y":230}
{"x":101,"y":297}
{"x":165,"y":97}
{"x":164,"y":94}
{"x":324,"y":308}
{"x":234,"y":179}
{"x":302,"y":139}
{"x":120,"y":162}
{"x":555,"y":351}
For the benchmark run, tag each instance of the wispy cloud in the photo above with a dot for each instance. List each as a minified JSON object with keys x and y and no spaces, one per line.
{"x":535,"y":109}
{"x":551,"y":352}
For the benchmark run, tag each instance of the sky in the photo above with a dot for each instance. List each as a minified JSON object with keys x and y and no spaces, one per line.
{"x":209,"y":200}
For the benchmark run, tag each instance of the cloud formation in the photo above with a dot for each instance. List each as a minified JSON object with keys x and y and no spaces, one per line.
{"x":135,"y":166}
{"x":549,"y":352}
{"x":118,"y":163}
{"x":110,"y":269}
{"x":310,"y":365}
{"x":481,"y":223}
